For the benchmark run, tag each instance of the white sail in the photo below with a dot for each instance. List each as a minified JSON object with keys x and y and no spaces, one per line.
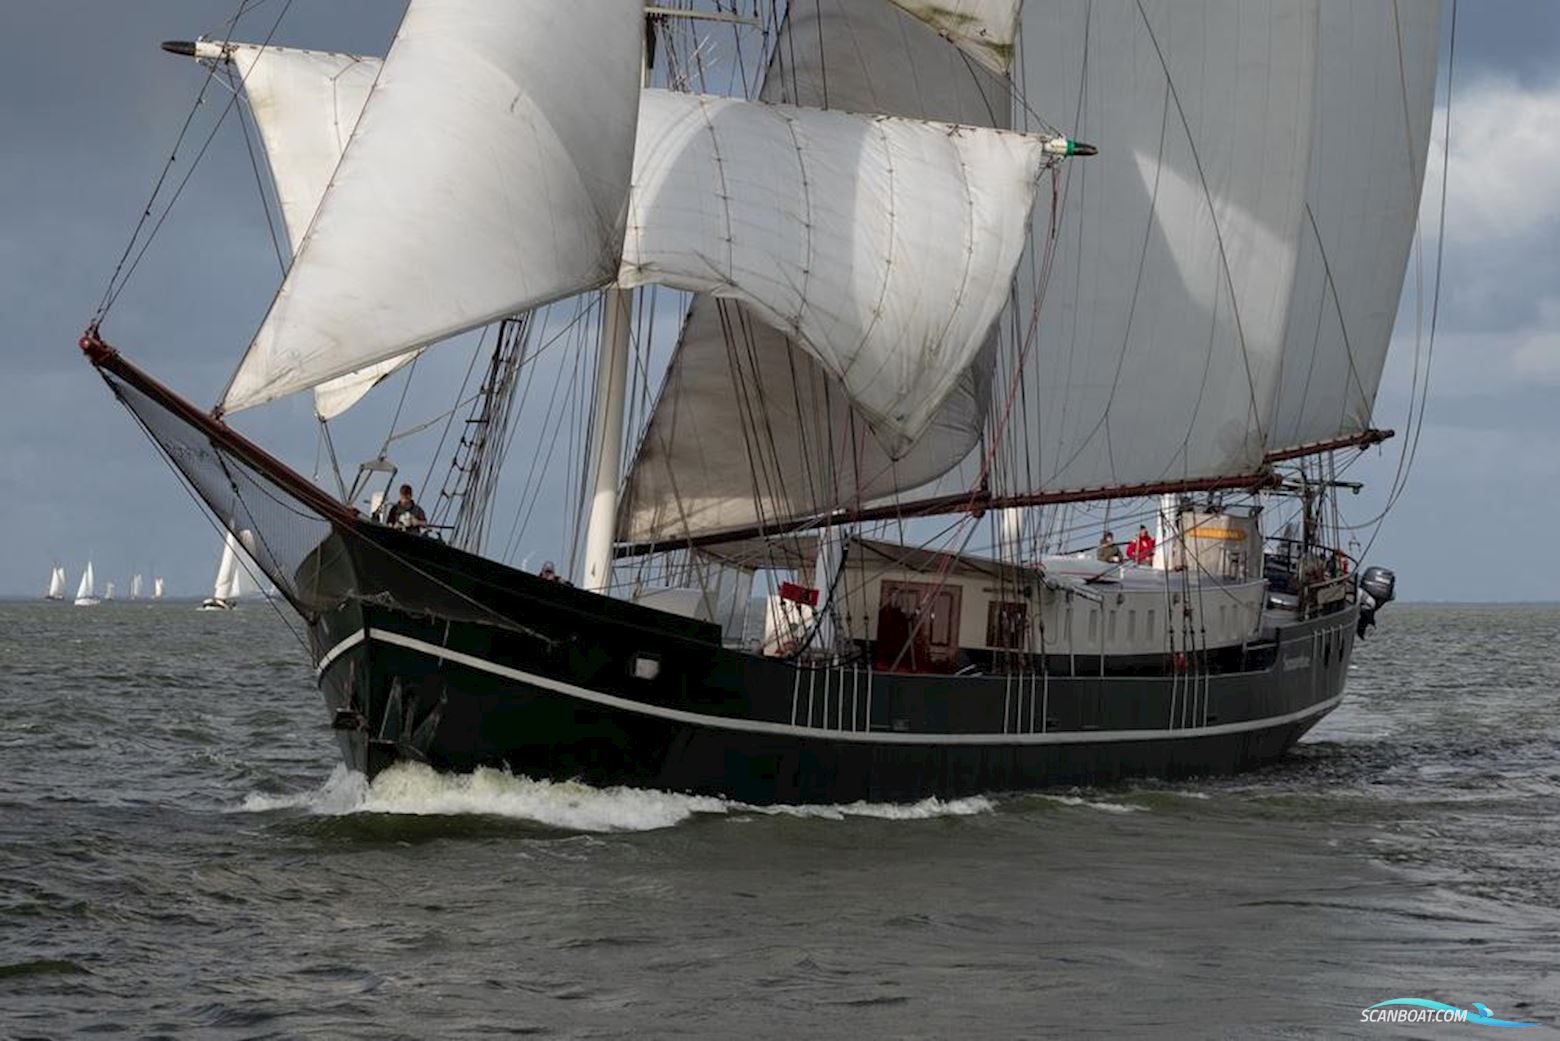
{"x":135,"y":587}
{"x":786,"y":445}
{"x":1375,"y":89}
{"x":226,"y":586}
{"x":748,"y":427}
{"x":85,"y":589}
{"x":305,"y":105}
{"x":488,"y":174}
{"x":884,"y":246}
{"x":1157,"y":351}
{"x":108,"y":592}
{"x":57,"y":583}
{"x":157,"y":589}
{"x":984,"y":28}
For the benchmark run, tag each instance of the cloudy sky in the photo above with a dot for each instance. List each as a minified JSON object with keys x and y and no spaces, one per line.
{"x":89,"y":107}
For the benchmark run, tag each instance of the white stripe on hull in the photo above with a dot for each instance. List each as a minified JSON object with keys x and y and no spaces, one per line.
{"x":815,"y":733}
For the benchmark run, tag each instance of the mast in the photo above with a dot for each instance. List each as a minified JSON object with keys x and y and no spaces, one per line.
{"x":606,"y":437}
{"x":609,"y":406}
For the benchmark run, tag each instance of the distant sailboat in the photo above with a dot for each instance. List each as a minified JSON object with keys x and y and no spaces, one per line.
{"x":135,"y":587}
{"x":56,"y":584}
{"x":85,"y":597}
{"x":157,"y":589}
{"x":108,"y":593}
{"x":230,"y":584}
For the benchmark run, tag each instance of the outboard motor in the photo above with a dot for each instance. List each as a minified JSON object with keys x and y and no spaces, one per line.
{"x":1378,"y":585}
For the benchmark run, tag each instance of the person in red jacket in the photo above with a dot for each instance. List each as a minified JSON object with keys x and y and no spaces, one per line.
{"x":1141,"y":549}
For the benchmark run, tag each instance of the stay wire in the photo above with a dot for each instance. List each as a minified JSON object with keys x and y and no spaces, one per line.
{"x":111,"y":294}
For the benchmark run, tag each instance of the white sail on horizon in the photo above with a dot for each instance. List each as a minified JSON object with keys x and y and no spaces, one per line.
{"x":225,"y":588}
{"x":57,"y":583}
{"x":157,"y":589}
{"x":86,"y":589}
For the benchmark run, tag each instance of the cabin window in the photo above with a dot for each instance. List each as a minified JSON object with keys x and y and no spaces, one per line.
{"x":1067,"y":625}
{"x":1007,"y":622}
{"x":1148,"y":626}
{"x":1111,"y":633}
{"x":1094,"y":625}
{"x":1132,"y":626}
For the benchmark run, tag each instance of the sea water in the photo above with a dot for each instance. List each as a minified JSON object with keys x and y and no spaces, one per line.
{"x":182,"y":855}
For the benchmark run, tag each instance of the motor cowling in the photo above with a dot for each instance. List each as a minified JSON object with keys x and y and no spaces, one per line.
{"x":1380,"y":583}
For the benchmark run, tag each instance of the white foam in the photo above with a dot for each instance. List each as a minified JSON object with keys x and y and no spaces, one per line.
{"x":914,"y":811}
{"x":413,"y":789}
{"x":1093,"y":804}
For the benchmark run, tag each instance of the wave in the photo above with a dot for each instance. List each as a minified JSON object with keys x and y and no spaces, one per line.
{"x":1093,"y":804}
{"x":416,"y":790}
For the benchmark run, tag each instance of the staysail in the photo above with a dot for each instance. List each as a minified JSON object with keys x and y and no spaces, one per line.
{"x":884,"y":246}
{"x":423,"y":232}
{"x":305,"y":105}
{"x":749,"y":427}
{"x":1375,"y":89}
{"x":1156,"y":357}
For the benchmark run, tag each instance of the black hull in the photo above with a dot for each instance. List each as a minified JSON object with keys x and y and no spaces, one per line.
{"x":452,"y":660}
{"x":428,"y":653}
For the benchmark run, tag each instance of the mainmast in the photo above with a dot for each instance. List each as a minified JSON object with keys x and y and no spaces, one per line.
{"x":611,"y":395}
{"x":606,"y":439}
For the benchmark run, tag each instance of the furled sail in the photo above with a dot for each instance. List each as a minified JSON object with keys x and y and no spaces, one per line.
{"x":748,"y":427}
{"x":884,"y":246}
{"x":984,"y":28}
{"x":1375,"y":90}
{"x":488,"y":174}
{"x":1156,"y":354}
{"x":306,"y":104}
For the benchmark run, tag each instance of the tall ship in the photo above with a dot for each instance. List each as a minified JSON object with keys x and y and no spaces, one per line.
{"x":996,"y":371}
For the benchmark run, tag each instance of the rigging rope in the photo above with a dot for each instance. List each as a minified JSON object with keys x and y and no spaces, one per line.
{"x":121,"y":275}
